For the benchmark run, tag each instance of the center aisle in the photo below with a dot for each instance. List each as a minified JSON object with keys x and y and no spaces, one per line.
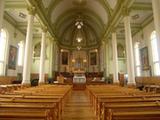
{"x":78,"y":107}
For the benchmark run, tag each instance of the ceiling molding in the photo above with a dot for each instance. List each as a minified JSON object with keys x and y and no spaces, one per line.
{"x":142,"y":6}
{"x":41,"y":13}
{"x":13,"y":22}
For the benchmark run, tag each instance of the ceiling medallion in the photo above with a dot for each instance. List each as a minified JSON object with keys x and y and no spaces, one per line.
{"x":79,"y":2}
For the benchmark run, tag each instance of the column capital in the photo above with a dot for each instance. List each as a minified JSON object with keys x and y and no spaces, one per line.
{"x":31,"y":10}
{"x":44,"y":29}
{"x":126,"y":11}
{"x":113,"y":30}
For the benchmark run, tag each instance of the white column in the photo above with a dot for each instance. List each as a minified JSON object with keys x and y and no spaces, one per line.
{"x":51,"y":59}
{"x":156,"y":15}
{"x":28,"y":48}
{"x":105,"y":60}
{"x":115,"y":58}
{"x":42,"y":58}
{"x":53,"y":56}
{"x":129,"y":50}
{"x":2,"y":2}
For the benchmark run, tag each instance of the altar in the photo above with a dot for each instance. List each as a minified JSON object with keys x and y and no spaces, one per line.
{"x":79,"y":81}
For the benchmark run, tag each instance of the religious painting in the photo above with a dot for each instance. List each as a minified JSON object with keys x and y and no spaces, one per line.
{"x":12,"y":57}
{"x":144,"y":58}
{"x":37,"y":50}
{"x":64,"y":58}
{"x":93,"y":58}
{"x":121,"y":51}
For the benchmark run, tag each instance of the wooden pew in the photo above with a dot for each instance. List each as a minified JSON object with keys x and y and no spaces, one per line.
{"x":135,"y":100}
{"x":35,"y":99}
{"x":102,"y":97}
{"x":135,"y":115}
{"x":110,"y":110}
{"x":26,"y":115}
{"x":25,"y":107}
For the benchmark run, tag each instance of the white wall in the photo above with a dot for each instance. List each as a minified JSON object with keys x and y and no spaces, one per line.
{"x":13,"y":39}
{"x":144,"y":38}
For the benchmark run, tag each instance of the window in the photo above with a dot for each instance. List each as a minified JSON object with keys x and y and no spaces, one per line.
{"x":20,"y":53}
{"x":3,"y":44}
{"x":137,"y":59}
{"x":156,"y":65}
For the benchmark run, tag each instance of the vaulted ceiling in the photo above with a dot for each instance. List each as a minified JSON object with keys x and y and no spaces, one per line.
{"x":99,"y":17}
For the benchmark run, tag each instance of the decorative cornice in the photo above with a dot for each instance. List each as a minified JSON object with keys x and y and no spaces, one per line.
{"x":42,"y":14}
{"x":31,"y":10}
{"x":142,"y":6}
{"x":13,"y":22}
{"x":126,"y":11}
{"x":44,"y":29}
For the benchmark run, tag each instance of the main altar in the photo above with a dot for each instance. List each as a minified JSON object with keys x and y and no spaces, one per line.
{"x":79,"y":80}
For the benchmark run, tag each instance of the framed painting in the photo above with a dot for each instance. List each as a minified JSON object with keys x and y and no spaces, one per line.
{"x":37,"y":50}
{"x":12,"y":60}
{"x":64,"y":58}
{"x":93,"y":58}
{"x":144,"y":58}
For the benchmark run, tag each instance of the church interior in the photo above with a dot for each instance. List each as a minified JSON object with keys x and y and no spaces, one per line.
{"x":80,"y":60}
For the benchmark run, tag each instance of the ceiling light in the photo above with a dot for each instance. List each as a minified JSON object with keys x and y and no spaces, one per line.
{"x":79,"y":47}
{"x":79,"y":40}
{"x":79,"y":26}
{"x":22,"y":15}
{"x":135,"y":17}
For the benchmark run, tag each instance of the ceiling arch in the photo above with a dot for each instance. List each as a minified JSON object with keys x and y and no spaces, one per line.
{"x":89,"y":37}
{"x":94,"y":14}
{"x":92,"y":5}
{"x":72,"y":16}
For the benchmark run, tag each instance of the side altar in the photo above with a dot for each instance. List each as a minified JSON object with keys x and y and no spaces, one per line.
{"x":79,"y":80}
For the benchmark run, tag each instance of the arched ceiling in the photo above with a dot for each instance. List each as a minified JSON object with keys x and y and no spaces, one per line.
{"x":94,"y":14}
{"x":99,"y":18}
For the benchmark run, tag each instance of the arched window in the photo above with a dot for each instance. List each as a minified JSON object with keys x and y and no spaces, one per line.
{"x":137,"y":59}
{"x":20,"y":53}
{"x":155,"y":55}
{"x":3,"y":46}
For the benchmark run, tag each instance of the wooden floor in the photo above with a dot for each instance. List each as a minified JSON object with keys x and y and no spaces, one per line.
{"x":78,"y":107}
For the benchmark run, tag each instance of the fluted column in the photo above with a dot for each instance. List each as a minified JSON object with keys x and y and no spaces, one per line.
{"x":129,"y":49}
{"x":42,"y":57}
{"x":115,"y":58}
{"x":28,"y":47}
{"x":2,"y":2}
{"x":156,"y":15}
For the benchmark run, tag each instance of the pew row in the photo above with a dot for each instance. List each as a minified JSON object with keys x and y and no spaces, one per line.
{"x":46,"y":100}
